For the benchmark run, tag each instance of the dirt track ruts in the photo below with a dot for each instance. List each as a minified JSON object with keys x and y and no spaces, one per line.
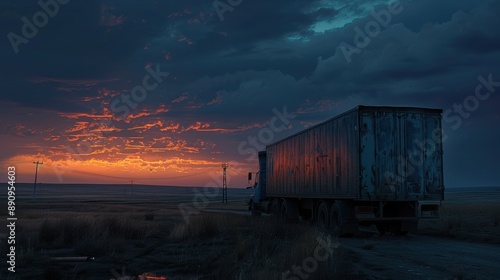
{"x":422,"y":257}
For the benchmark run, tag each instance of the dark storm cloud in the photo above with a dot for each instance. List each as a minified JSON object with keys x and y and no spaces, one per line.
{"x":399,"y":54}
{"x":229,"y":75}
{"x":84,"y":40}
{"x":478,"y":42}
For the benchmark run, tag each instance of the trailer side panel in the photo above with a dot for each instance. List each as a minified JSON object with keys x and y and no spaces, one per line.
{"x":319,"y":162}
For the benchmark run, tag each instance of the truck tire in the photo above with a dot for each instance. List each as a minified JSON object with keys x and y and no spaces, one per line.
{"x":336,"y":220}
{"x":342,"y":219}
{"x":275,"y":207}
{"x":289,"y":210}
{"x":323,"y":219}
{"x":266,"y":206}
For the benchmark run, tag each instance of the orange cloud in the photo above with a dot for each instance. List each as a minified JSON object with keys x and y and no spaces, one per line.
{"x":146,"y":113}
{"x":78,"y":127}
{"x":206,"y":127}
{"x":146,"y":126}
{"x":171,"y":127}
{"x":198,"y":126}
{"x":52,"y":138}
{"x":85,"y":115}
{"x":161,"y":109}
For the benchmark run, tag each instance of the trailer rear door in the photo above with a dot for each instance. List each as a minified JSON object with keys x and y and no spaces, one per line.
{"x":401,"y":154}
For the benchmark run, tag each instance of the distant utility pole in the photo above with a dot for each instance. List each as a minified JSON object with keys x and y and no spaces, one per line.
{"x":132,"y":185}
{"x":224,"y":182}
{"x":36,"y":175}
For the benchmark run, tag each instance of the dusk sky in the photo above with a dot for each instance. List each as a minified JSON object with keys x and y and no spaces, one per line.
{"x":163,"y":92}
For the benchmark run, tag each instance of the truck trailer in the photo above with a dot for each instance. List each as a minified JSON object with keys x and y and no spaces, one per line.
{"x":371,"y":165}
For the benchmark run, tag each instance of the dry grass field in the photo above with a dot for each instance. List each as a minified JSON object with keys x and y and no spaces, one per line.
{"x":146,"y":232}
{"x":129,"y":235}
{"x":468,"y":214}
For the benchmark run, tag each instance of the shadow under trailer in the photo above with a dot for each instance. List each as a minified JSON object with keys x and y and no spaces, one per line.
{"x":371,"y":165}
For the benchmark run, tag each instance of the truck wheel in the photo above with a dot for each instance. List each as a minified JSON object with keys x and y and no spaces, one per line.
{"x":323,"y":217}
{"x":335,"y":220}
{"x":275,"y":208}
{"x":289,"y":210}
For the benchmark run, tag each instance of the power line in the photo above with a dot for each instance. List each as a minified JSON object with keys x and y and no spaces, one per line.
{"x":36,"y":175}
{"x":224,"y":182}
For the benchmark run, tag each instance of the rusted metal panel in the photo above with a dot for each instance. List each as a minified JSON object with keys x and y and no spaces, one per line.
{"x":321,"y":161}
{"x":401,"y":154}
{"x":368,"y":153}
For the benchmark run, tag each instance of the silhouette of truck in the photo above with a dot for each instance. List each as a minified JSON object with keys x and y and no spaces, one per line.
{"x":371,"y":165}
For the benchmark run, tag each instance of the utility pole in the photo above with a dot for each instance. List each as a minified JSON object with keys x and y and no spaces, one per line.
{"x":224,"y":182}
{"x":36,"y":175}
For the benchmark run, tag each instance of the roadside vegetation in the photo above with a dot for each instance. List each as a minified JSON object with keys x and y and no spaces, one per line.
{"x":211,"y":246}
{"x":263,"y":248}
{"x":475,"y":222}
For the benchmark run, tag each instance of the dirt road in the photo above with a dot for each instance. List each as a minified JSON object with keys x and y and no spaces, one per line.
{"x":420,"y":257}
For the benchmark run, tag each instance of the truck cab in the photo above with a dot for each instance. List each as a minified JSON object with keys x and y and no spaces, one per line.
{"x":258,"y":183}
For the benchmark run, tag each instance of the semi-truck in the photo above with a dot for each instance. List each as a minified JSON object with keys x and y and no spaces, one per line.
{"x":372,"y":165}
